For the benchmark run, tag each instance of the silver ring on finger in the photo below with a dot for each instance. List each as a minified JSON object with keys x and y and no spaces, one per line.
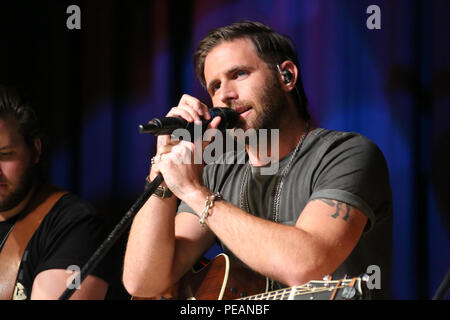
{"x":156,"y":158}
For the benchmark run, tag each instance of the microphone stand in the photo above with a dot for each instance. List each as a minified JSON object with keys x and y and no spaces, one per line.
{"x":120,"y":228}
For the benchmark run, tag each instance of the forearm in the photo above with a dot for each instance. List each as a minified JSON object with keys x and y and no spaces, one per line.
{"x":150,"y":247}
{"x":285,"y":253}
{"x":51,"y":283}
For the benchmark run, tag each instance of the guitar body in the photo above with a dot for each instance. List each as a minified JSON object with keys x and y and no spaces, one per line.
{"x":222,"y":279}
{"x":227,"y":279}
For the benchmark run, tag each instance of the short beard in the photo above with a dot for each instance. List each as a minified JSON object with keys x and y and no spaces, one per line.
{"x":272,"y":102}
{"x":25,"y":184}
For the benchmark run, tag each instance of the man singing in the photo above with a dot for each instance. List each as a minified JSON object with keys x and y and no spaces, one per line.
{"x":326,"y":211}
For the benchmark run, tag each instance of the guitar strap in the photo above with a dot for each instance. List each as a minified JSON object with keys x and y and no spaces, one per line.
{"x":29,"y":220}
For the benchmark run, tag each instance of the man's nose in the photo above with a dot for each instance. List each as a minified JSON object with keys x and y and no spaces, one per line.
{"x":228,"y":93}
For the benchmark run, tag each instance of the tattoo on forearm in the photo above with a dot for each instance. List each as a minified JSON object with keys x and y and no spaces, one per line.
{"x":339,"y":208}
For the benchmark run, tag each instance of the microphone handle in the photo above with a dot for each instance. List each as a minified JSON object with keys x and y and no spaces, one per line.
{"x":164,"y":126}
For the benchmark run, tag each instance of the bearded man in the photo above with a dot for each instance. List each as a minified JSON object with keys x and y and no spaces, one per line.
{"x":45,"y":234}
{"x":326,"y":211}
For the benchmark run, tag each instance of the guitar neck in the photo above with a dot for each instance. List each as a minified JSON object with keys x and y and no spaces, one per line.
{"x":315,"y":290}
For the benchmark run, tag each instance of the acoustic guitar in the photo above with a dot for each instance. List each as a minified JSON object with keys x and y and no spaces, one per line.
{"x":227,"y":279}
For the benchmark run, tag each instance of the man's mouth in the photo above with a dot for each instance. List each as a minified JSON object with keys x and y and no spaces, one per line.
{"x":243,"y":110}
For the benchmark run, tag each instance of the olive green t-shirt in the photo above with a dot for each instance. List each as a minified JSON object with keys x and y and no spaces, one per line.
{"x":342,"y":166}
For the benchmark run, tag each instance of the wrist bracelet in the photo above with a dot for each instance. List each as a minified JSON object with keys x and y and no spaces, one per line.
{"x":161,"y":192}
{"x":208,"y":205}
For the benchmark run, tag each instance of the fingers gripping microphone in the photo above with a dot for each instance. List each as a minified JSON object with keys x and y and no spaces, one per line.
{"x":167,"y":125}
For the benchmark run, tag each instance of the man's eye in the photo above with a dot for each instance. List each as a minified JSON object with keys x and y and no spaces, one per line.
{"x":240,"y":74}
{"x":215,"y":87}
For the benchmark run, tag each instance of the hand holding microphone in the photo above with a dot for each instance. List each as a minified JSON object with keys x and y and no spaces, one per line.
{"x":164,"y":126}
{"x":189,"y":114}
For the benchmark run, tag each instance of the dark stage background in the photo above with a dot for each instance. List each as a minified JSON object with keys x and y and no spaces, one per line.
{"x":131,"y":61}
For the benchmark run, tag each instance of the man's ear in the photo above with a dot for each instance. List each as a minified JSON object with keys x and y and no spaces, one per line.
{"x":37,"y":144}
{"x":288,"y":67}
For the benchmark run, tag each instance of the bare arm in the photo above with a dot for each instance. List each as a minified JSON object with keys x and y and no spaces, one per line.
{"x":150,"y":246}
{"x":158,"y":253}
{"x":156,"y":257}
{"x":50,"y":284}
{"x":324,"y":235}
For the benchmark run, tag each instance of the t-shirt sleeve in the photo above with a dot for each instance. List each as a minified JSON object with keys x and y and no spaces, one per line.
{"x":352,"y":169}
{"x":183,"y":207}
{"x":71,"y":234}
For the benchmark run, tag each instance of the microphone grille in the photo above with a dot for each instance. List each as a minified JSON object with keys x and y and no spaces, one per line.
{"x":229,"y":117}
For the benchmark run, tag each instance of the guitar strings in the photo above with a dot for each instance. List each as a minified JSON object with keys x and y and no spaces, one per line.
{"x":283,"y":293}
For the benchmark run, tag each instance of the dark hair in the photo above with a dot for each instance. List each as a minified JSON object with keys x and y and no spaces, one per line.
{"x":273,"y":48}
{"x":11,"y":104}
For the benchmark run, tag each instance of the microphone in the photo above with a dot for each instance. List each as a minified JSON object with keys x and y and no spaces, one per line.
{"x":167,"y":125}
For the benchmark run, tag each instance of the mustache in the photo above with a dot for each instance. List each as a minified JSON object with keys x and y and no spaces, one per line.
{"x":239,"y":104}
